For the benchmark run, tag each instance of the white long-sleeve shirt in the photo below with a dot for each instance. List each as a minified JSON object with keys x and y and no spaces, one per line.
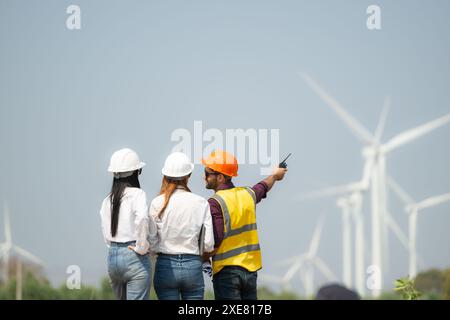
{"x":134,"y":223}
{"x":180,"y":225}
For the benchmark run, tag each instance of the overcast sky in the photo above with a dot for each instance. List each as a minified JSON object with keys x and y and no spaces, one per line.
{"x":138,"y":70}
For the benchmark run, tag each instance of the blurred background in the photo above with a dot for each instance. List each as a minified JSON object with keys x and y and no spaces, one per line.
{"x":138,"y":70}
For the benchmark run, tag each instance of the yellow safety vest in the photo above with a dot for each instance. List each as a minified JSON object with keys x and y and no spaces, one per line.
{"x":240,"y":245}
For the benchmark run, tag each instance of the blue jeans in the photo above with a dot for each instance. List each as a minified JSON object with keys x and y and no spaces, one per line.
{"x":178,"y":276}
{"x":129,"y":272}
{"x":235,"y":283}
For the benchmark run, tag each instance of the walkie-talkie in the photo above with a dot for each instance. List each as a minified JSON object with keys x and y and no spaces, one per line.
{"x":283,"y":163}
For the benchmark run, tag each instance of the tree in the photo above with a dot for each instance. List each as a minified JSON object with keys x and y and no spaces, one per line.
{"x":431,"y":283}
{"x":446,"y":287}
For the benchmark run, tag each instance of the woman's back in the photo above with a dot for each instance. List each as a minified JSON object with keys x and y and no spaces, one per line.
{"x":180,"y":224}
{"x":125,"y":228}
{"x":133,"y":207}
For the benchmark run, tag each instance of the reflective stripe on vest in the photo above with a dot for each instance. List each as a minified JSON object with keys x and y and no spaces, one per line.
{"x":227,"y":221}
{"x":234,"y":252}
{"x":240,"y":245}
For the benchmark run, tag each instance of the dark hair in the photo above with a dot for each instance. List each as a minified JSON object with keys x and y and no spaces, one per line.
{"x":117,"y":190}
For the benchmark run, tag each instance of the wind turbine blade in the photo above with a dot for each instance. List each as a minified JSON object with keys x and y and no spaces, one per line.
{"x":412,"y":134}
{"x":382,"y":121}
{"x":291,"y":271}
{"x":315,"y":241}
{"x":297,"y":266}
{"x":8,"y":237}
{"x":351,"y":122}
{"x":399,"y":191}
{"x":326,"y":271}
{"x":331,"y":191}
{"x":395,"y":228}
{"x":24,"y":253}
{"x":398,"y":232}
{"x":433,"y":201}
{"x":287,"y":261}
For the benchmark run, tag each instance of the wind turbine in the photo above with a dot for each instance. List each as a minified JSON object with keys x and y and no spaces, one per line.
{"x":413,"y":208}
{"x":305,"y":263}
{"x":376,"y":152}
{"x":9,"y":247}
{"x":351,"y":200}
{"x":281,"y":281}
{"x":350,"y":203}
{"x":351,"y":207}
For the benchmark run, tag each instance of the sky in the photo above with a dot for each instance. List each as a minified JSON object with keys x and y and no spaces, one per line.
{"x":138,"y":70}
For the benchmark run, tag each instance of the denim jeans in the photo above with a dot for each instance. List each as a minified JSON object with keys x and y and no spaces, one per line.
{"x":179,"y":276}
{"x":129,"y":272}
{"x":235,"y":283}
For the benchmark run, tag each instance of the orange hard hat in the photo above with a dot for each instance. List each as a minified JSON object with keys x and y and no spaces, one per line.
{"x":223,"y":162}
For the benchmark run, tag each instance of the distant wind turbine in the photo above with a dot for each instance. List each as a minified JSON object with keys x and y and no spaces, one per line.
{"x":376,"y":152}
{"x":413,"y":208}
{"x":306,"y":262}
{"x":277,"y":280}
{"x":8,"y":247}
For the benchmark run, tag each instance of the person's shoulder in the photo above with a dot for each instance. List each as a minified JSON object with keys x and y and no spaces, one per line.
{"x":242,"y":187}
{"x":199,"y":199}
{"x":106,"y":200}
{"x":135,"y":192}
{"x":245,"y":188}
{"x":158,"y":200}
{"x":105,"y":204}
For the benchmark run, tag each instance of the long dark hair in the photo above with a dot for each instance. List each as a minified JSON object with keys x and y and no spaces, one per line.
{"x":168,"y":187}
{"x":117,"y":190}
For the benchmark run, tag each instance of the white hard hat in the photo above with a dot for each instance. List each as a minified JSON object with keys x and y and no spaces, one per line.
{"x":125,"y":160}
{"x":177,"y":165}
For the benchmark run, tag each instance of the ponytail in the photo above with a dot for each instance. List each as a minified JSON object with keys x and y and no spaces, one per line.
{"x":117,"y":190}
{"x":168,"y":187}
